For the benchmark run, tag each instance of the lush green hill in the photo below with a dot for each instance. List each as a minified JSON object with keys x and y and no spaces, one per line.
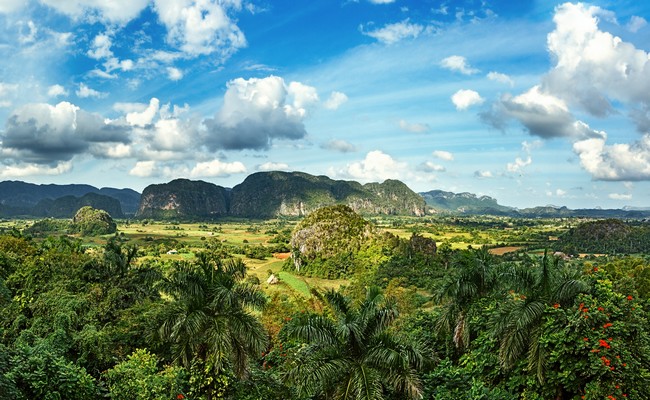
{"x":271,"y":194}
{"x":609,"y":236}
{"x":67,"y":206}
{"x":185,"y":199}
{"x":467,"y":203}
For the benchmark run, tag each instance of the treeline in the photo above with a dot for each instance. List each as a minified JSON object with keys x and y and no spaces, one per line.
{"x":419,"y":323}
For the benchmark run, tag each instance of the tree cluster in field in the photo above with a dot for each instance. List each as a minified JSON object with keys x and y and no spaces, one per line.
{"x":416,"y":321}
{"x":609,"y":236}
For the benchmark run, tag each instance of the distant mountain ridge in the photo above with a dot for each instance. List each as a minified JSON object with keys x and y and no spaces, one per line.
{"x":22,"y":198}
{"x":274,"y":194}
{"x":470,"y":204}
{"x":268,"y":195}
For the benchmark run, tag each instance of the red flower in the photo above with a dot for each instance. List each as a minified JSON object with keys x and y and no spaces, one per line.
{"x":607,"y":325}
{"x":630,"y":297}
{"x":180,"y":396}
{"x":601,"y":309}
{"x":585,"y":310}
{"x":585,"y":339}
{"x":556,"y":305}
{"x":603,"y":343}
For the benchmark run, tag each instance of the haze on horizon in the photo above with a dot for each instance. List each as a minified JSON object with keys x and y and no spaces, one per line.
{"x":539,"y":102}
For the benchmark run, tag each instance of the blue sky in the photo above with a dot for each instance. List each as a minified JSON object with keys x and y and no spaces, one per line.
{"x":530,"y":102}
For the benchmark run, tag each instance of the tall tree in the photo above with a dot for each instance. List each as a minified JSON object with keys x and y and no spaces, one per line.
{"x":517,"y":323}
{"x":353,"y":353}
{"x":473,"y":277}
{"x":209,"y":316}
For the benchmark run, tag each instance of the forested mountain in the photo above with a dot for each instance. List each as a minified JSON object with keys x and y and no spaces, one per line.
{"x":22,"y":198}
{"x":182,"y":198}
{"x":464,"y":203}
{"x":270,"y":194}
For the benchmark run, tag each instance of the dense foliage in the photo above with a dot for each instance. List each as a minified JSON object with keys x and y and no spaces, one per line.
{"x":92,"y":222}
{"x":119,"y":321}
{"x":609,"y":236}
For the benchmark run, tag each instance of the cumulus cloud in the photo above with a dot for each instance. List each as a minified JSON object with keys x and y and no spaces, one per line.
{"x":543,"y":115}
{"x":142,"y":117}
{"x":273,"y":166}
{"x":341,"y":146}
{"x":413,"y":127}
{"x":174,"y":74}
{"x":376,"y":166}
{"x":45,"y":134}
{"x":458,"y":64}
{"x":483,"y":174}
{"x":501,"y":78}
{"x":619,"y":196}
{"x":335,"y":100}
{"x":593,"y":66}
{"x":84,"y":91}
{"x":119,"y":11}
{"x":520,"y":163}
{"x":56,"y":91}
{"x":617,"y":162}
{"x":429,"y":166}
{"x":217,"y":168}
{"x":465,"y":98}
{"x":443,"y":155}
{"x":393,"y":33}
{"x":27,"y":169}
{"x":257,"y":111}
{"x":101,"y":47}
{"x":381,"y":1}
{"x":201,"y":27}
{"x":144,"y":169}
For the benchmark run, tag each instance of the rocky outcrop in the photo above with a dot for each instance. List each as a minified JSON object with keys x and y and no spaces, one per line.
{"x":185,"y":199}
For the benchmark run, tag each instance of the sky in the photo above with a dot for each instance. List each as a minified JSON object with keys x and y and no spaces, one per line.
{"x":530,"y":102}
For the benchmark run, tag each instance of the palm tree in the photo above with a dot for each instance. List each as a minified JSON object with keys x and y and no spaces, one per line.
{"x":353,"y":354}
{"x":473,"y":278}
{"x":518,"y":322}
{"x":209,"y":315}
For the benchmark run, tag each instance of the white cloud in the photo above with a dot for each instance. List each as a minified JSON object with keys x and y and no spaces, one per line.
{"x":7,"y":91}
{"x":56,"y":91}
{"x":619,"y":196}
{"x":85,"y":91}
{"x":44,"y":134}
{"x":335,"y":100}
{"x":217,"y":168}
{"x":544,"y":115}
{"x":174,"y":74}
{"x":273,"y":166}
{"x":144,"y":169}
{"x":459,"y":64}
{"x":381,"y":1}
{"x":501,"y":78}
{"x":483,"y":174}
{"x":594,"y":67}
{"x":257,"y":111}
{"x":377,"y":166}
{"x":119,"y":11}
{"x":393,"y":33}
{"x":520,"y":163}
{"x":146,"y":116}
{"x":201,"y":27}
{"x":429,"y":166}
{"x":465,"y":98}
{"x":413,"y":127}
{"x":636,"y":23}
{"x":101,"y":47}
{"x":617,"y":162}
{"x":339,"y":145}
{"x":30,"y":35}
{"x":23,"y":170}
{"x":443,"y":155}
{"x":10,"y":6}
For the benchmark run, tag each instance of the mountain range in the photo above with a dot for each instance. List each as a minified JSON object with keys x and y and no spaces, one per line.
{"x":267,"y":195}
